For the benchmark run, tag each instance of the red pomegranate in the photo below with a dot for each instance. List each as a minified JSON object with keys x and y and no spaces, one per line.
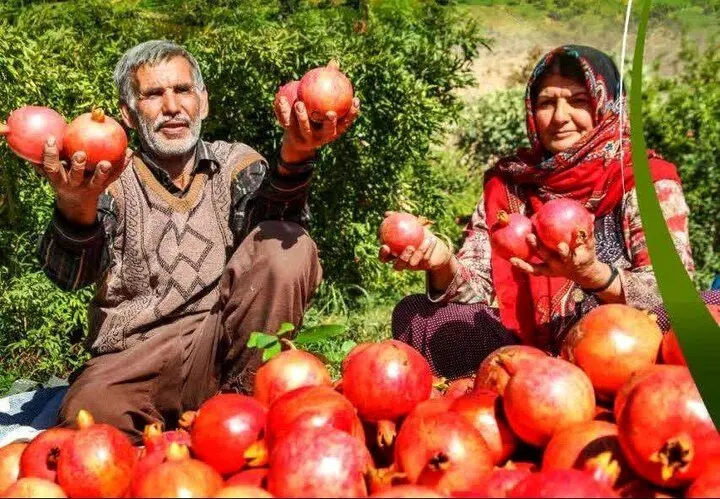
{"x":29,"y":127}
{"x":385,"y":381}
{"x":10,"y":463}
{"x":521,"y":465}
{"x":242,"y":491}
{"x":604,"y":414}
{"x":706,"y":484}
{"x":561,"y":483}
{"x":352,"y":353}
{"x":670,"y":348}
{"x":256,"y":477}
{"x":546,"y":396}
{"x":287,"y":371}
{"x":156,"y":444}
{"x":578,"y":445}
{"x":289,"y":91}
{"x":225,"y":426}
{"x":443,"y":451}
{"x":492,"y":375}
{"x":610,"y":343}
{"x":624,"y":391}
{"x":311,"y":407}
{"x":640,"y":489}
{"x":429,"y":407}
{"x":500,"y":482}
{"x":563,"y":220}
{"x":34,"y":487}
{"x":180,"y":476}
{"x":483,"y":409}
{"x":40,"y":458}
{"x":318,"y":462}
{"x":665,"y":430}
{"x":408,"y":491}
{"x":97,"y":461}
{"x":400,"y":230}
{"x":325,"y":89}
{"x":459,"y":387}
{"x":508,"y":236}
{"x":99,"y":136}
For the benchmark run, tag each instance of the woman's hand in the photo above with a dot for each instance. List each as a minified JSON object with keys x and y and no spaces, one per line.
{"x":432,"y":254}
{"x":579,"y":265}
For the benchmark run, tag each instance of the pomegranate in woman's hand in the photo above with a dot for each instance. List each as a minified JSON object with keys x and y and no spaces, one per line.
{"x":563,"y":220}
{"x":318,"y":462}
{"x":41,"y":456}
{"x":224,"y":428}
{"x":34,"y":487}
{"x":443,"y":451}
{"x":385,"y":381}
{"x":546,"y":396}
{"x":483,"y":409}
{"x":493,"y":376}
{"x":665,"y":430}
{"x":508,"y":236}
{"x":561,"y":483}
{"x":287,"y":371}
{"x":97,"y":461}
{"x":289,"y":91}
{"x":610,"y":343}
{"x":179,"y":476}
{"x":325,"y":89}
{"x":400,"y":230}
{"x":10,"y":456}
{"x":99,"y":136}
{"x":29,"y":127}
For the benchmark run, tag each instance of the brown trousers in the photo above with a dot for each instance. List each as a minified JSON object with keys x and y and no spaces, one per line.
{"x":269,"y":280}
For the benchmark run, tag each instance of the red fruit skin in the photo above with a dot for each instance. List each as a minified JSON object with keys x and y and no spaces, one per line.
{"x":670,"y":348}
{"x":387,"y":380}
{"x":154,"y":454}
{"x":429,"y":407}
{"x":242,"y":491}
{"x":183,"y":478}
{"x":610,"y":343}
{"x":662,"y":407}
{"x":29,"y":128}
{"x":493,"y":376}
{"x":34,"y":487}
{"x":562,"y":220}
{"x":560,"y":483}
{"x":10,"y":463}
{"x":40,"y":458}
{"x":311,"y":407}
{"x":483,"y":409}
{"x":707,"y":484}
{"x":546,"y":396}
{"x":576,"y":445}
{"x":99,"y":136}
{"x":225,"y":426}
{"x":400,"y":230}
{"x":500,"y":482}
{"x":255,"y":477}
{"x":624,"y":391}
{"x":407,"y":491}
{"x":508,"y":236}
{"x":352,"y":353}
{"x":459,"y":387}
{"x":325,"y":89}
{"x":321,"y":462}
{"x":289,"y":91}
{"x":443,"y":451}
{"x":287,"y":371}
{"x":97,"y":461}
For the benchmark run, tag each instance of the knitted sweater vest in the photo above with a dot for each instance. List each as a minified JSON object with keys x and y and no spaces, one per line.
{"x":168,"y":253}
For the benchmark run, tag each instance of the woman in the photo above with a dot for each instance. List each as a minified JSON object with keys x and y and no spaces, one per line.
{"x":480,"y":301}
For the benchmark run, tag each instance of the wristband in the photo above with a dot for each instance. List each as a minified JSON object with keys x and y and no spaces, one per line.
{"x":613,"y":274}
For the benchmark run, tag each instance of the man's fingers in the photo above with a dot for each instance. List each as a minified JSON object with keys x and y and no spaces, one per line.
{"x":349,"y":118}
{"x":52,"y":168}
{"x":330,"y":126}
{"x":303,"y":121}
{"x":283,"y":111}
{"x":101,"y":175}
{"x":385,"y":254}
{"x":77,"y":169}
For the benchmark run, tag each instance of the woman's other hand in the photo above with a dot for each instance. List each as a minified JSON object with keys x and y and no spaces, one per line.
{"x":432,"y":254}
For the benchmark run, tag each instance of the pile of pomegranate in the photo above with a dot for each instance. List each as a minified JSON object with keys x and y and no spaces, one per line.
{"x":615,"y":415}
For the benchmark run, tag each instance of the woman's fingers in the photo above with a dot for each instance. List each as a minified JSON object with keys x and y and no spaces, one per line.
{"x":420,"y":254}
{"x":538,"y":269}
{"x":539,"y":248}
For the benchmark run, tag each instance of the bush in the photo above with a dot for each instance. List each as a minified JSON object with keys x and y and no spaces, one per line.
{"x":405,"y":59}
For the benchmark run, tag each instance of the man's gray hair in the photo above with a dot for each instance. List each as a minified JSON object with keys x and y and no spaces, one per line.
{"x":151,"y":52}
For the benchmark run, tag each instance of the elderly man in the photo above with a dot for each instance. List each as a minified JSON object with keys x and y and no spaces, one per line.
{"x":193,"y":245}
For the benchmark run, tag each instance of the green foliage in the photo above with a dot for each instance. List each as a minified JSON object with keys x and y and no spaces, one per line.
{"x":404,"y":57}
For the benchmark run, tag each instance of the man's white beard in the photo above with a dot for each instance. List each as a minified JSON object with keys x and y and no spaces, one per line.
{"x":159,"y":146}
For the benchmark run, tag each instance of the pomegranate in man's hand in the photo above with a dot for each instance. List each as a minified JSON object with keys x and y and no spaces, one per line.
{"x":99,"y":136}
{"x":289,"y":91}
{"x":325,"y":89}
{"x":29,"y":127}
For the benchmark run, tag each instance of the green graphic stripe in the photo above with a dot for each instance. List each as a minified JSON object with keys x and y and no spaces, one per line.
{"x":697,"y":332}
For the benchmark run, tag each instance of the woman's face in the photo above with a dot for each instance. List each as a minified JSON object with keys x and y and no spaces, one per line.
{"x":563,"y":112}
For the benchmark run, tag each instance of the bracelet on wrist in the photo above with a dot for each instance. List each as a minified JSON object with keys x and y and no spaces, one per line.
{"x":613,"y":275}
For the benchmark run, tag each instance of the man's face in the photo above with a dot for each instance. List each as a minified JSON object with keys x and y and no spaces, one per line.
{"x":169,"y":108}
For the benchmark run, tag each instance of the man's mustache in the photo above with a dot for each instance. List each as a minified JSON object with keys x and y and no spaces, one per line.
{"x":174,"y":121}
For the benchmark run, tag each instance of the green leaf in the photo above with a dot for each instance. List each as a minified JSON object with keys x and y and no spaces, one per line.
{"x":319,"y":333}
{"x":271,"y":351}
{"x":261,"y":340}
{"x":285,"y":328}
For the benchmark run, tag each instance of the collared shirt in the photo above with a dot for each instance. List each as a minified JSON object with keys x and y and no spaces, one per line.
{"x":76,"y":256}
